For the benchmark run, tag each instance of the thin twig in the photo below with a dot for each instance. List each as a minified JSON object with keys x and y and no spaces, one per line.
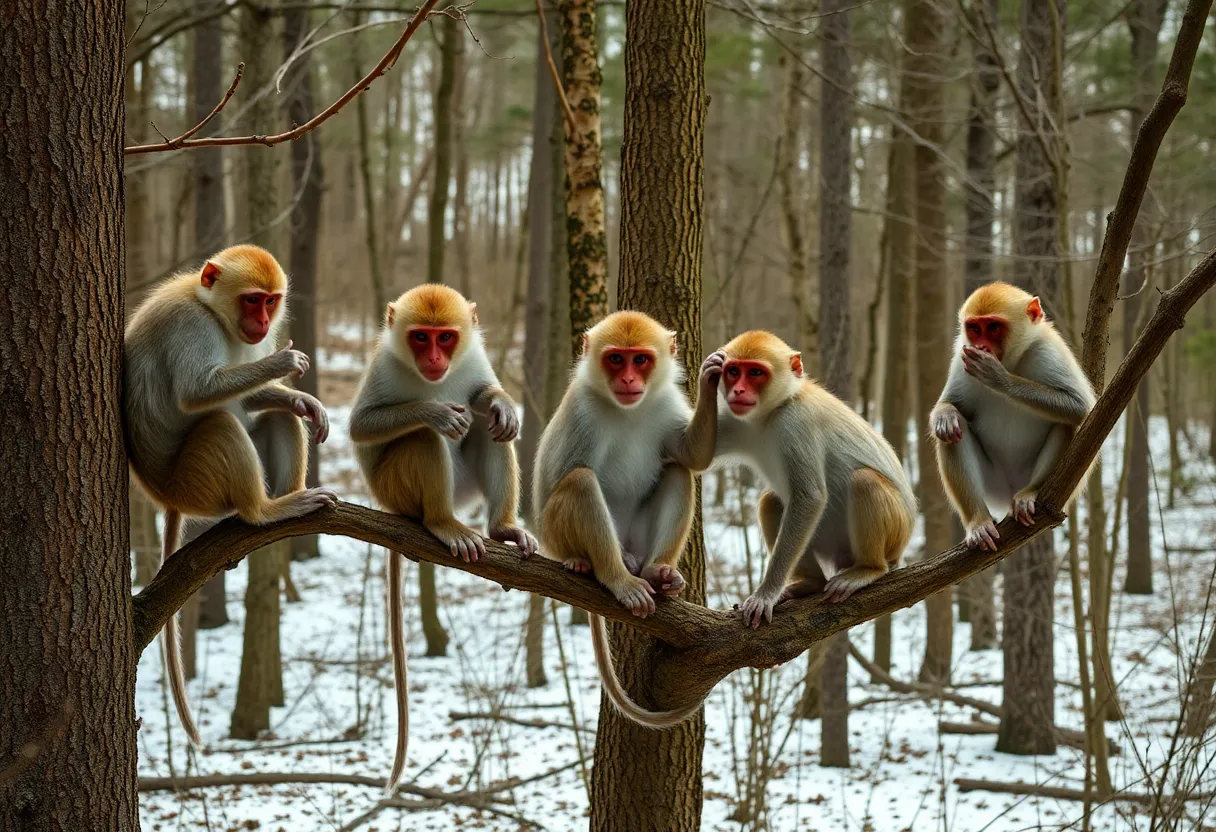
{"x":557,"y":81}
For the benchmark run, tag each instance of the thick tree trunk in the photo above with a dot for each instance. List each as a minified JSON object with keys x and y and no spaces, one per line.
{"x":925,"y":30}
{"x":371,"y":243}
{"x":307,"y":181}
{"x":586,"y":243}
{"x":978,"y":591}
{"x":661,"y":235}
{"x":451,"y":41}
{"x":1029,"y":681}
{"x":1144,"y":21}
{"x":793,"y":202}
{"x":835,"y":321}
{"x":67,"y":669}
{"x":261,"y":681}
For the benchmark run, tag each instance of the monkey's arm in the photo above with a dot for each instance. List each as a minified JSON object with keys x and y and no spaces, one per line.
{"x":210,"y":387}
{"x":499,"y":408}
{"x":695,"y":445}
{"x":1061,"y":402}
{"x":373,"y":424}
{"x":280,"y":397}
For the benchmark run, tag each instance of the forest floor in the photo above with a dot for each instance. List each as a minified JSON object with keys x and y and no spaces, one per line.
{"x":339,"y":717}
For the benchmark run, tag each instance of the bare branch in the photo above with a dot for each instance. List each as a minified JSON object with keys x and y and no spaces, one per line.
{"x":1058,"y":793}
{"x":557,"y":79}
{"x":385,"y":64}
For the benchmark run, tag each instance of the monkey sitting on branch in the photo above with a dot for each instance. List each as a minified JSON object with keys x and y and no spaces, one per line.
{"x":839,"y":508}
{"x":433,"y":429}
{"x":614,"y":475}
{"x":207,"y":425}
{"x":1012,"y":402}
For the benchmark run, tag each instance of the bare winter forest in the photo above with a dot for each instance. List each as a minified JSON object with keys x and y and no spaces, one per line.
{"x":842,"y":174}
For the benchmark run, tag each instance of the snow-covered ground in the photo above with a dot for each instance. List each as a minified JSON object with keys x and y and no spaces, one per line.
{"x":337,"y":680}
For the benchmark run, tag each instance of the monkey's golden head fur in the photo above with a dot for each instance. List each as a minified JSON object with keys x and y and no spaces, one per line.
{"x":629,"y":329}
{"x":432,"y":304}
{"x":254,"y":267}
{"x":761,"y":345}
{"x":996,"y":298}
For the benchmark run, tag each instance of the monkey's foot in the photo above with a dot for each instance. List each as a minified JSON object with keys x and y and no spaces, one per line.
{"x":634,"y":593}
{"x":514,"y":534}
{"x":759,"y":605}
{"x":847,"y":581}
{"x":633,"y":563}
{"x":301,"y":503}
{"x":800,"y":589}
{"x":983,"y":536}
{"x":665,"y":579}
{"x":463,"y":542}
{"x":1023,"y":507}
{"x":580,"y":566}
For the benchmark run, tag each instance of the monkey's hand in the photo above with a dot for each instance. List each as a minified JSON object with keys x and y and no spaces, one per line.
{"x":985,"y":368}
{"x":308,"y":407}
{"x":947,"y":424}
{"x":504,"y":421}
{"x":449,"y":419}
{"x":982,"y":535}
{"x":759,"y":605}
{"x":711,"y":370}
{"x":288,"y":362}
{"x":1023,"y":506}
{"x":513,"y":534}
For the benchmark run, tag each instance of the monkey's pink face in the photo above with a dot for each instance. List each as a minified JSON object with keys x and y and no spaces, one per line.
{"x":433,"y":347}
{"x":745,"y":383}
{"x":987,"y":333}
{"x":628,"y":369}
{"x":257,"y":310}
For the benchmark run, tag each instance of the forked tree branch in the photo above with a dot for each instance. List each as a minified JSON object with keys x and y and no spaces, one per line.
{"x":183,"y":142}
{"x":702,"y":645}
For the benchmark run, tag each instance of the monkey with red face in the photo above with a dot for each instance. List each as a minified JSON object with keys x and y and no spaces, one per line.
{"x":1013,"y":399}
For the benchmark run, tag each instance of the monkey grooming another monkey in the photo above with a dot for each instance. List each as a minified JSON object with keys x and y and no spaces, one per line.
{"x":613,"y":484}
{"x":433,"y":429}
{"x":207,"y":425}
{"x":1012,"y":402}
{"x":839,"y":509}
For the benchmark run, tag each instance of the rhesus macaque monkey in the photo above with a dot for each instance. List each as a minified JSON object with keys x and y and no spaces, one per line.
{"x":613,"y":485}
{"x":839,"y":509}
{"x":208,"y":426}
{"x":1014,"y":397}
{"x":433,"y":430}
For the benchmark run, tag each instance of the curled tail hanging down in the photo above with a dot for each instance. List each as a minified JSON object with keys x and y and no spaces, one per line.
{"x":171,"y":649}
{"x":616,"y":693}
{"x":396,"y":628}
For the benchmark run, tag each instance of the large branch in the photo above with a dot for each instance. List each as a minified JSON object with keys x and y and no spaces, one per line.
{"x":1122,"y":220}
{"x":183,"y":142}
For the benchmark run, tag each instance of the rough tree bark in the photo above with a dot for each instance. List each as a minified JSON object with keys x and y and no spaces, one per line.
{"x":924,"y":32}
{"x":793,"y":202}
{"x":661,"y":246}
{"x":210,"y":216}
{"x":835,"y":328}
{"x":979,"y":248}
{"x":1029,"y":609}
{"x":261,"y":681}
{"x":67,"y":662}
{"x":371,"y":243}
{"x":307,"y":180}
{"x":1144,"y":21}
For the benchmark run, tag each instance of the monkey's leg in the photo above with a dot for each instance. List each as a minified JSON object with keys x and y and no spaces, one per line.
{"x":669,"y":513}
{"x":415,"y":478}
{"x":218,"y":471}
{"x":1049,"y":454}
{"x":879,"y":528}
{"x":576,"y":526}
{"x":283,"y":450}
{"x":808,"y":574}
{"x":964,"y":468}
{"x":496,"y":469}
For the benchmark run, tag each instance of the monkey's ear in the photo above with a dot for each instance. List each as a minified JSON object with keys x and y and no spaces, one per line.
{"x":586,"y":343}
{"x":473,"y":311}
{"x":211,"y":273}
{"x":1034,"y":310}
{"x":390,"y":315}
{"x":796,"y":364}
{"x":671,"y":343}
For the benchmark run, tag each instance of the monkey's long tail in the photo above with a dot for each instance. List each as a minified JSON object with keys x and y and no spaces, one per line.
{"x":171,"y":649}
{"x":616,"y":693}
{"x":396,"y":629}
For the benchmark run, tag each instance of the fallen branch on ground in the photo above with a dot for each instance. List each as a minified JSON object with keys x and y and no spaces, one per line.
{"x":460,"y":716}
{"x":1072,"y":739}
{"x":1060,"y":793}
{"x":464,"y":798}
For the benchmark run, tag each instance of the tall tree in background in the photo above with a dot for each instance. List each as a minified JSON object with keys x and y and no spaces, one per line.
{"x":1144,"y":19}
{"x":835,"y":330}
{"x":924,"y":67}
{"x":1028,"y":701}
{"x":210,"y":214}
{"x":979,"y":247}
{"x":647,"y":780}
{"x":261,"y":681}
{"x":307,"y":184}
{"x":66,"y":656}
{"x":794,"y":208}
{"x":375,"y":271}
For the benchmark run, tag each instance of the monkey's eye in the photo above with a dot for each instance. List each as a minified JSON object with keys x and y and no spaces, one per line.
{"x":252,"y":300}
{"x":445,"y":337}
{"x":755,"y":372}
{"x":271,"y":301}
{"x":974,"y":329}
{"x":616,"y":358}
{"x":733,"y":372}
{"x":994,"y":328}
{"x":641,"y":360}
{"x":420,"y":336}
